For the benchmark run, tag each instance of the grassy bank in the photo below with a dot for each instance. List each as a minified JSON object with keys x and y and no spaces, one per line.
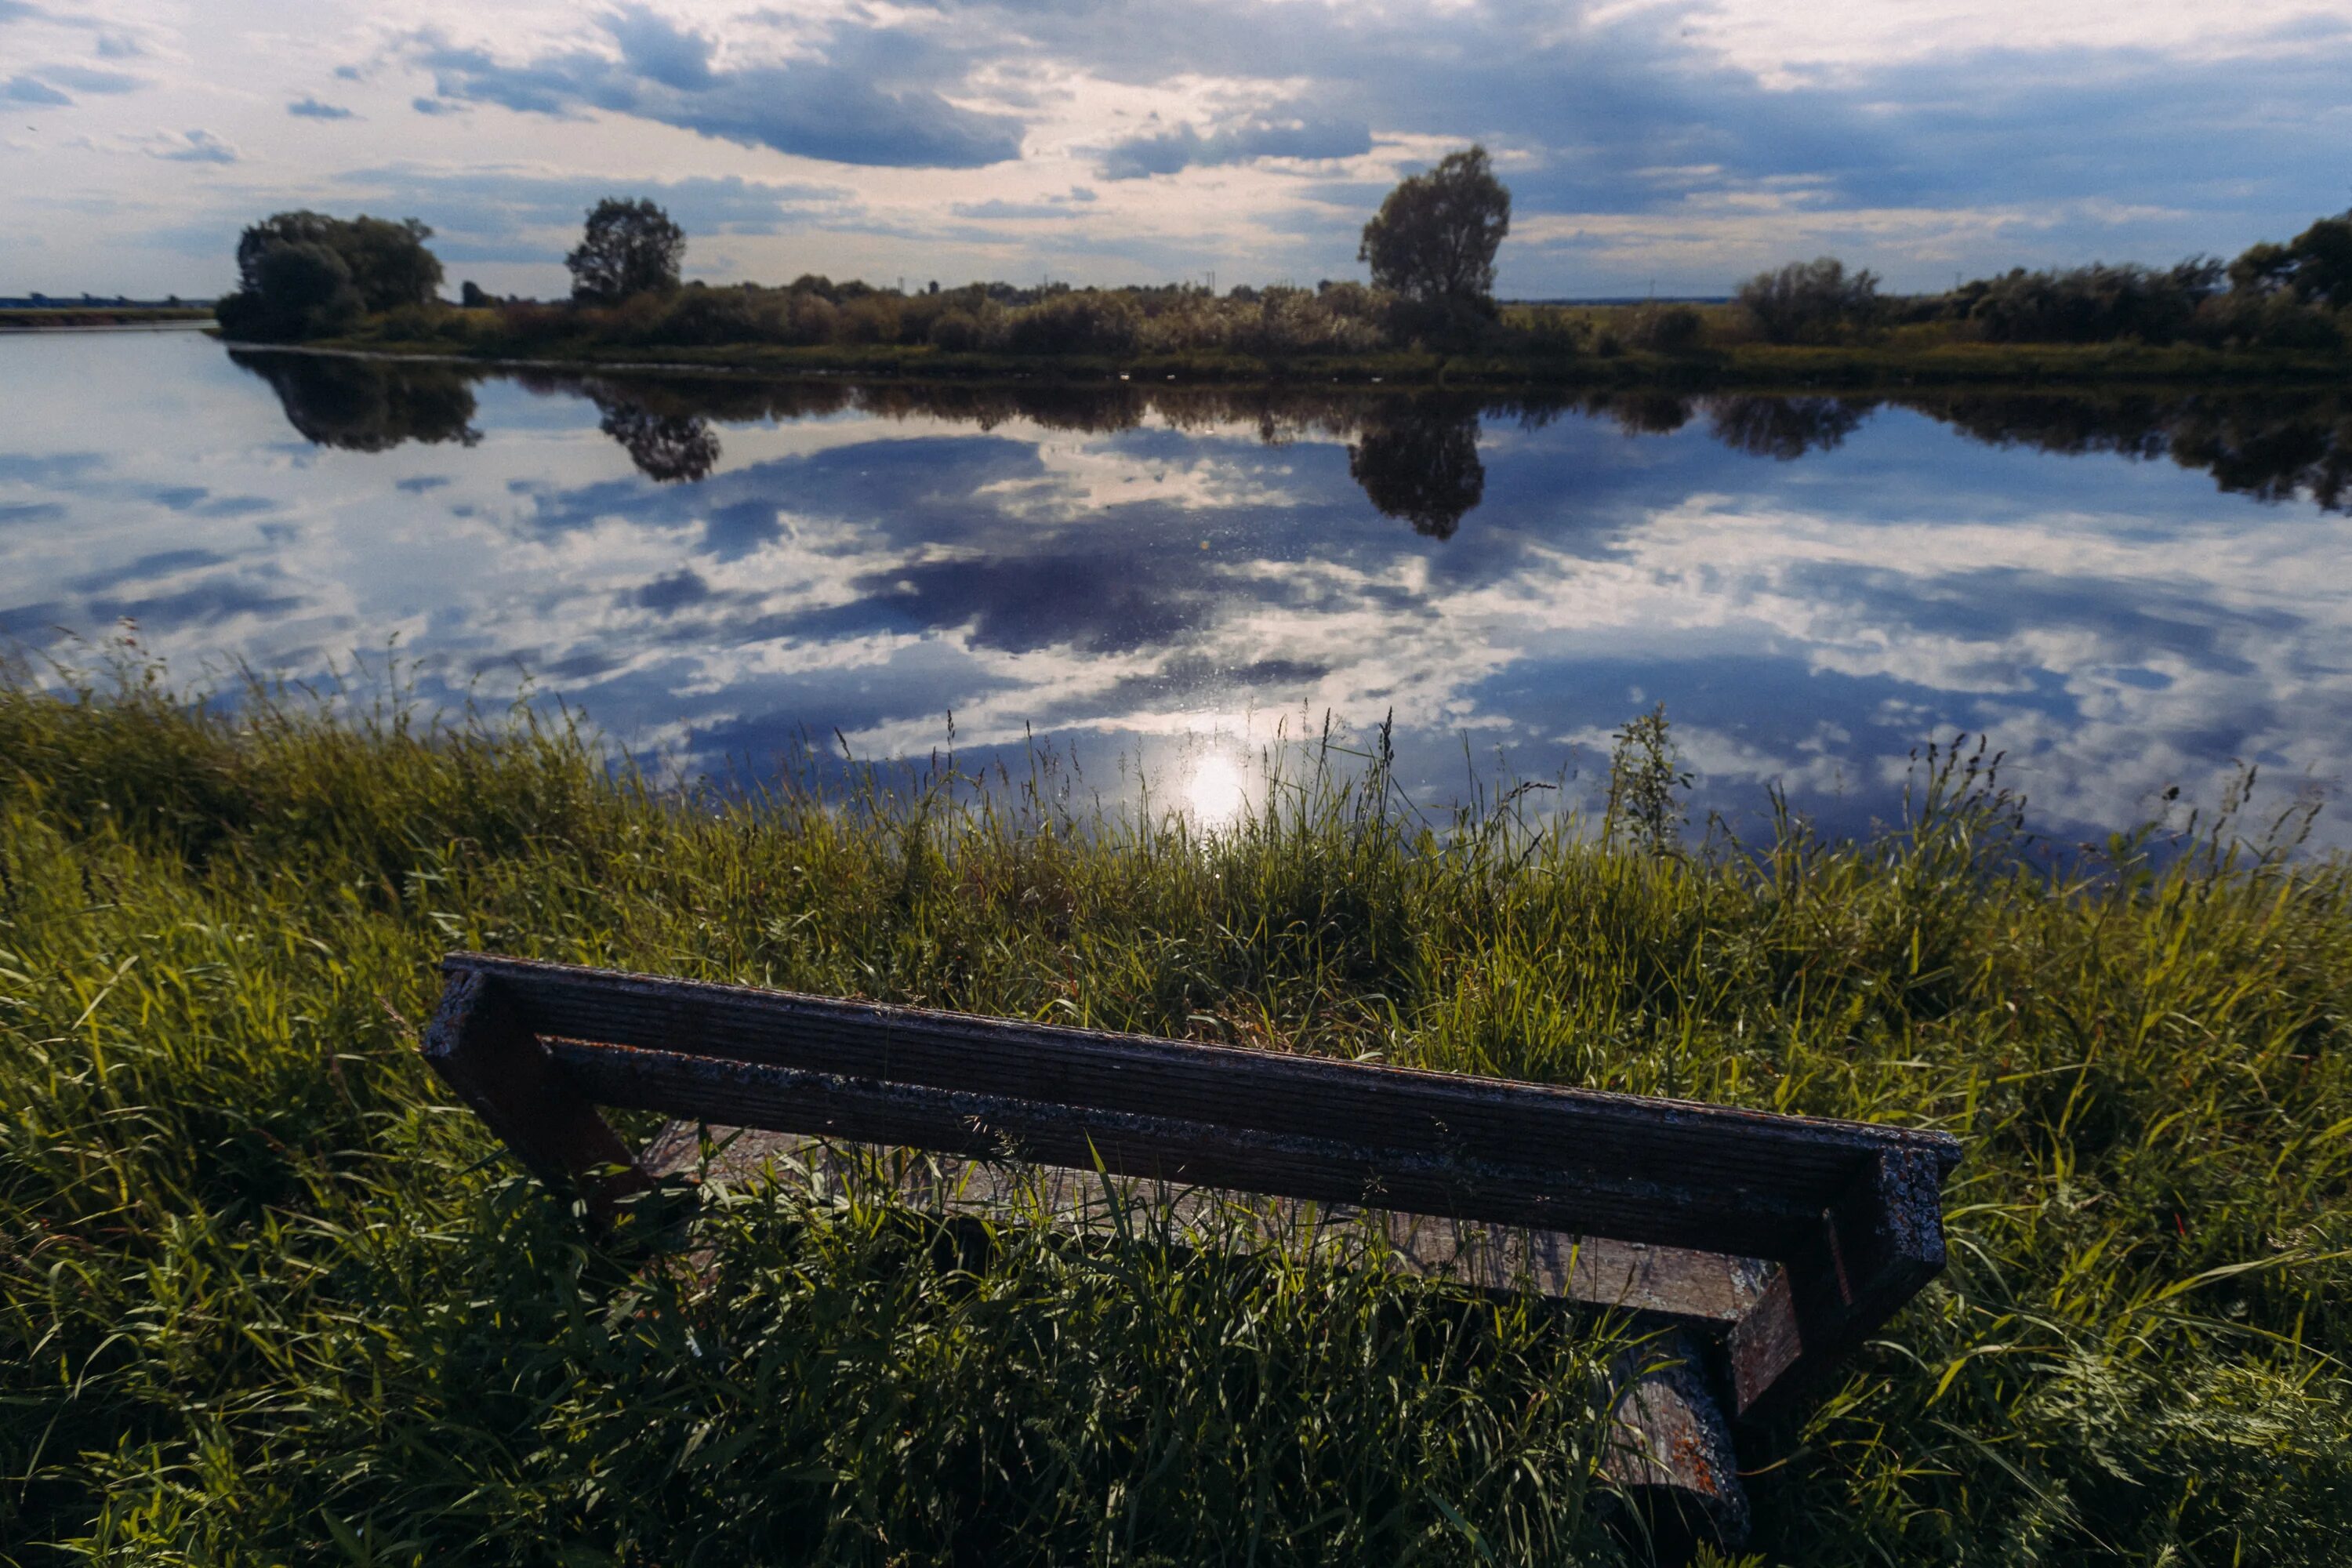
{"x":1747,"y":366}
{"x":265,"y":1297}
{"x":101,"y":316}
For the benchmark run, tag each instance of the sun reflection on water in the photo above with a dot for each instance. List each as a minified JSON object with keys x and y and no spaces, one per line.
{"x":1216,"y":794}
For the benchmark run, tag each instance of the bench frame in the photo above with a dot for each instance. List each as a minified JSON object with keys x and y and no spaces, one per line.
{"x":1682,"y":1207}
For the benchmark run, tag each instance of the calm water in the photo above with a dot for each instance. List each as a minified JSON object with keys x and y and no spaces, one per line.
{"x":2128,"y":594}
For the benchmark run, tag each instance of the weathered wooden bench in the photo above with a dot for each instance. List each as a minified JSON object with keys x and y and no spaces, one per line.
{"x":1778,"y":1242}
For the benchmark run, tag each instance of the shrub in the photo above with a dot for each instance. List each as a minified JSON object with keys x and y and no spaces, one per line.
{"x":955,"y":330}
{"x":1814,"y":301}
{"x":711,"y":316}
{"x":2098,"y":303}
{"x":1665,"y":328}
{"x":1083,"y":322}
{"x":873,"y":318}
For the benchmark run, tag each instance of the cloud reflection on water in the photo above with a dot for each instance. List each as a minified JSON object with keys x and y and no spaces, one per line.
{"x":715,"y":568}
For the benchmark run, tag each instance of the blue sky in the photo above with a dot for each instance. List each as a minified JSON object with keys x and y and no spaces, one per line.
{"x":1684,"y":144}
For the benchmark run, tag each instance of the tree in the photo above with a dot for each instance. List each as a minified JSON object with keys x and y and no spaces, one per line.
{"x":628,"y":247}
{"x":304,"y":274}
{"x":1809,"y":301}
{"x":2316,"y":265}
{"x":1433,"y":239}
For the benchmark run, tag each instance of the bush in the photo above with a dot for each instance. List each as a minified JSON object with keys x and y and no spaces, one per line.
{"x":1077,"y":323}
{"x":1665,"y":328}
{"x":2093,"y":304}
{"x":873,"y":318}
{"x":1811,"y":302}
{"x":2274,"y":321}
{"x":955,"y":330}
{"x":701,"y":315}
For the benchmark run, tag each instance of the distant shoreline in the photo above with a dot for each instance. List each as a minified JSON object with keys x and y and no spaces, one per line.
{"x":1749,"y":367}
{"x":86,"y":318}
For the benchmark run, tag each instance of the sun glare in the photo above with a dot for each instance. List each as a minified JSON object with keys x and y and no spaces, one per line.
{"x":1217,"y":793}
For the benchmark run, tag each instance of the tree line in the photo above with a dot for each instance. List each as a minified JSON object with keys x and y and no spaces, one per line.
{"x":1429,"y":250}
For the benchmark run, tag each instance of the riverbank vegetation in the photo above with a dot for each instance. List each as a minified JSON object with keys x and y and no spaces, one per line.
{"x":2278,"y":311}
{"x":265,"y":1296}
{"x":35,"y":318}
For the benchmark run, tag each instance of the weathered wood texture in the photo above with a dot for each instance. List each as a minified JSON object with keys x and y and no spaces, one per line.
{"x":1851,"y":1213}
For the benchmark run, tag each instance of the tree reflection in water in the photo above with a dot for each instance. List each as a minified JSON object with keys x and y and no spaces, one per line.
{"x":367,"y":406}
{"x":1786,"y":428}
{"x":1418,"y":460}
{"x":667,"y":449}
{"x":1415,"y":457}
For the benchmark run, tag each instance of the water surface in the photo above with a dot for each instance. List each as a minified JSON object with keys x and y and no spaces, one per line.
{"x":2129,"y":593}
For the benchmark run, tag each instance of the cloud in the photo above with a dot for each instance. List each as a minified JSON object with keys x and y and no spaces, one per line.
{"x":311,"y":109}
{"x":1072,"y":204}
{"x":862,"y":102}
{"x":24,"y":90}
{"x":1171,"y":152}
{"x":666,"y":596}
{"x":504,"y":215}
{"x":88,"y":78}
{"x":435,"y":106}
{"x":197,"y":147}
{"x":660,"y":52}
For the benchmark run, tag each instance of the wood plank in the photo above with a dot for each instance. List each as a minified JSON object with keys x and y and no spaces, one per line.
{"x":1762,"y":1176}
{"x":1319,"y":1166}
{"x":1666,"y":1285}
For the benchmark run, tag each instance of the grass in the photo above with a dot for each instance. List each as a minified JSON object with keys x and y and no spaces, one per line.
{"x":63,"y":315}
{"x":266,"y":1297}
{"x":1538,"y":346}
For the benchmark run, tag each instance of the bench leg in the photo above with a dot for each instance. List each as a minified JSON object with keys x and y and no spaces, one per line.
{"x":1670,"y":1451}
{"x":481,"y":1049}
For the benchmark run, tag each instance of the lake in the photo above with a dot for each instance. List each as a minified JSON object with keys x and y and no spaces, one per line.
{"x":2129,"y":593}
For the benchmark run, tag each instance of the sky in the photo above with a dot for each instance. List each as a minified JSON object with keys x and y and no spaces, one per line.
{"x":1666,"y":146}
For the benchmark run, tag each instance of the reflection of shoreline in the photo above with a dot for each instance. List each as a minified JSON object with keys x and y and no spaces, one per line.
{"x":1415,"y":452}
{"x":868,"y":556}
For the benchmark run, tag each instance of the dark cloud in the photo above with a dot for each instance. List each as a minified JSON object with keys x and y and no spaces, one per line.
{"x":1171,"y":152}
{"x":202,"y":605}
{"x":675,"y":591}
{"x":311,"y":109}
{"x":24,"y":90}
{"x":158,"y":564}
{"x":660,"y":52}
{"x":874,"y":99}
{"x":435,"y":106}
{"x":31,"y":512}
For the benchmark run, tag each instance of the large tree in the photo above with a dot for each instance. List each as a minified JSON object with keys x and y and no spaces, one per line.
{"x":305,"y":273}
{"x":628,"y":247}
{"x":1433,"y":239}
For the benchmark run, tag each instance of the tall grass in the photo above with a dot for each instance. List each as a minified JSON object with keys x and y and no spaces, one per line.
{"x":265,"y":1297}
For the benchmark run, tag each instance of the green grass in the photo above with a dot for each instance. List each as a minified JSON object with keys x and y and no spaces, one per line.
{"x":1728,"y":358}
{"x":265,"y":1297}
